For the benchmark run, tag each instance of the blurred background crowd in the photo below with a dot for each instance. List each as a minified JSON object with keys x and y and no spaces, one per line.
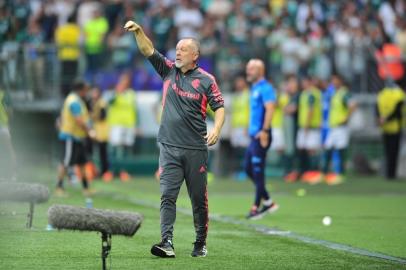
{"x":45,"y":45}
{"x":295,"y":37}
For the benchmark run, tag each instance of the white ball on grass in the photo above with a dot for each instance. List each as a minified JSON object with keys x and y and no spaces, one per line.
{"x":327,"y":221}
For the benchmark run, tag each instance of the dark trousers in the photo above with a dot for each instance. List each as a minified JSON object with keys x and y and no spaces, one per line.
{"x":341,"y":157}
{"x":69,"y":71}
{"x":177,"y":164}
{"x":391,"y":143}
{"x":94,"y":65}
{"x":254,"y":163}
{"x":104,"y":162}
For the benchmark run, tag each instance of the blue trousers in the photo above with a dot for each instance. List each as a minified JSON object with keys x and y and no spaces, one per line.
{"x":254,"y":165}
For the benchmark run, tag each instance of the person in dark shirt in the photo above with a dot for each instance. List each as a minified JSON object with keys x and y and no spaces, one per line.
{"x":183,"y":135}
{"x":390,"y":102}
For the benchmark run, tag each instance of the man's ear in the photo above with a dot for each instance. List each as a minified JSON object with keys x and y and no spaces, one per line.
{"x":195,"y":57}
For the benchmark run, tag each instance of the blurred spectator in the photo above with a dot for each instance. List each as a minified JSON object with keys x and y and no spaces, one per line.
{"x":5,"y":25}
{"x":262,"y":102}
{"x":341,"y":108}
{"x":308,"y":10}
{"x":320,"y":47}
{"x":359,"y":54}
{"x":304,"y":54}
{"x":342,"y":51}
{"x":400,"y":41}
{"x":291,"y":128}
{"x":188,"y":19}
{"x":278,"y":125}
{"x":67,"y":38}
{"x":390,"y":66}
{"x":276,"y":6}
{"x":122,"y":48}
{"x":74,"y":126}
{"x":112,"y":10}
{"x":64,"y":9}
{"x":86,"y":10}
{"x":161,"y":25}
{"x":35,"y":58}
{"x":239,"y":137}
{"x":387,"y":13}
{"x":238,"y":27}
{"x":21,"y":13}
{"x":309,"y":135}
{"x":290,"y":48}
{"x":228,"y":65}
{"x":400,"y":37}
{"x":8,"y":163}
{"x":309,"y":37}
{"x":122,"y":119}
{"x":390,"y":102}
{"x":47,"y":19}
{"x":219,"y":9}
{"x":209,"y":46}
{"x":99,"y":118}
{"x":95,"y":31}
{"x":274,"y":42}
{"x":259,"y":30}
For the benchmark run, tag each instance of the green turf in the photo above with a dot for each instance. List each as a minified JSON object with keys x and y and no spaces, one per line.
{"x":366,"y":213}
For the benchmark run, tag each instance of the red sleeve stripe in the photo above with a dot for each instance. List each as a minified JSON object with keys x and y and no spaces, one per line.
{"x":203,"y":106}
{"x":207,"y":74}
{"x":169,"y":63}
{"x":165,"y":91}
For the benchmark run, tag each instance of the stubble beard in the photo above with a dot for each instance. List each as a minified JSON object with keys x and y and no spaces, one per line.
{"x":179,"y":64}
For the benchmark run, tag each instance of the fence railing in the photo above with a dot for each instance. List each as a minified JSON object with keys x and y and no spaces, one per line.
{"x":35,"y":72}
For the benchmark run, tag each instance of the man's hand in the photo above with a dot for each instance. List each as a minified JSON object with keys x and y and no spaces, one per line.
{"x":381,"y":121}
{"x":212,"y":136}
{"x":263,"y":137}
{"x":131,"y":26}
{"x":92,"y":134}
{"x":144,"y":43}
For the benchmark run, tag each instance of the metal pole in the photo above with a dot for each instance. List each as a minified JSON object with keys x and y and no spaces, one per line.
{"x":30,"y":215}
{"x":106,"y":247}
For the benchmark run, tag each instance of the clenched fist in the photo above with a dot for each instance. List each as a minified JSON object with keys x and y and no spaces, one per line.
{"x":131,"y":26}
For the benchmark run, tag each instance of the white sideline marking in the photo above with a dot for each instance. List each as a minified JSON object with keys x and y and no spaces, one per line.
{"x":274,"y":231}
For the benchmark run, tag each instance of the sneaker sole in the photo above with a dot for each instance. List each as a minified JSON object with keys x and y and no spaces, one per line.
{"x":257,"y":217}
{"x":156,"y":251}
{"x":273,"y":209}
{"x":199,"y":256}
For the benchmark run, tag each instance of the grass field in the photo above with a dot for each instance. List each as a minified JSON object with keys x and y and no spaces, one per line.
{"x":367,"y":213}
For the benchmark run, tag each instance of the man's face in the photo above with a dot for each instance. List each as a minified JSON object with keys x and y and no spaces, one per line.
{"x":186,"y":54}
{"x":336,"y":82}
{"x":84,"y":92}
{"x":252,"y":72}
{"x":95,"y":94}
{"x":306,"y":83}
{"x":292,"y":86}
{"x":240,"y":84}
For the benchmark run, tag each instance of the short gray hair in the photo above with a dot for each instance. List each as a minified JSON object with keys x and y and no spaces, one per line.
{"x":195,"y":43}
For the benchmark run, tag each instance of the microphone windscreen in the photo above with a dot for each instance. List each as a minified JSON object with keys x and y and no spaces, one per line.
{"x":66,"y":217}
{"x":23,"y":192}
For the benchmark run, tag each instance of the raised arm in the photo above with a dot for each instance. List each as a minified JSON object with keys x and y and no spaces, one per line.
{"x":161,"y":64}
{"x":144,"y":43}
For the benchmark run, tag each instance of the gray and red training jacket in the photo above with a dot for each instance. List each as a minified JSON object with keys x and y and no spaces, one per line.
{"x":184,"y":99}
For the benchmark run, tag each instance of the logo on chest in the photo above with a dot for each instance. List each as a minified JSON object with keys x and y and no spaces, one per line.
{"x":255,"y":95}
{"x":182,"y":93}
{"x":196,"y":83}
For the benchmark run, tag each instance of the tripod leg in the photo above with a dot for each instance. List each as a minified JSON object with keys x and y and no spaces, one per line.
{"x":30,"y":215}
{"x":106,"y":247}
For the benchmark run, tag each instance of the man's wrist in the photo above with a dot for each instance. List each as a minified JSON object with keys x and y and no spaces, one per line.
{"x":217,"y":130}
